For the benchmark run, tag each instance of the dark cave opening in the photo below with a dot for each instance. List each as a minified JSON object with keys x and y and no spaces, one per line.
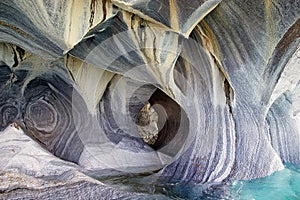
{"x":171,"y":122}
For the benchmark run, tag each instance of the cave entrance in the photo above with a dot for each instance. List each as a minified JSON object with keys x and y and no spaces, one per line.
{"x":162,"y":122}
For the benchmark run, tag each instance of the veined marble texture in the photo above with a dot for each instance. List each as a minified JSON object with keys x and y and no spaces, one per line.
{"x":222,"y":77}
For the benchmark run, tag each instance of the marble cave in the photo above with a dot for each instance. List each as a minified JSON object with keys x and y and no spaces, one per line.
{"x":129,"y":99}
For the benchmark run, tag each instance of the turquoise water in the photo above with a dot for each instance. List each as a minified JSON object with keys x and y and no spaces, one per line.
{"x":282,"y":185}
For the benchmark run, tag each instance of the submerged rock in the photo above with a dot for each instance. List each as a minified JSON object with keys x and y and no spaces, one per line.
{"x":190,"y":92}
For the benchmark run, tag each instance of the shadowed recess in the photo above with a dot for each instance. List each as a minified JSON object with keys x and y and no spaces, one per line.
{"x":10,"y":100}
{"x":170,"y":118}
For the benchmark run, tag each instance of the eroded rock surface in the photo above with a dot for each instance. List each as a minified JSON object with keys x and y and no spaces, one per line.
{"x":222,"y":78}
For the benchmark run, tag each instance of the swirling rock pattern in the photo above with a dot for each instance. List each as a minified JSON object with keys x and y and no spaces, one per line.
{"x":37,"y":177}
{"x":222,"y":77}
{"x":252,"y":70}
{"x":180,"y":16}
{"x":49,"y":29}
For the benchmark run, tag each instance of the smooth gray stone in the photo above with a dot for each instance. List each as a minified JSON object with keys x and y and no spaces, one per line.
{"x":211,"y":123}
{"x":282,"y":126}
{"x":114,"y":142}
{"x":10,"y":97}
{"x":25,"y":34}
{"x":39,"y":97}
{"x":142,"y":48}
{"x":119,"y":124}
{"x":90,"y":80}
{"x":282,"y":120}
{"x":44,"y":176}
{"x":46,"y":28}
{"x":181,"y":16}
{"x":99,"y":48}
{"x":226,"y":87}
{"x":246,"y":38}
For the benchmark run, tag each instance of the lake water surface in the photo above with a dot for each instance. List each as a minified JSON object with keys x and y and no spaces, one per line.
{"x":282,"y":185}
